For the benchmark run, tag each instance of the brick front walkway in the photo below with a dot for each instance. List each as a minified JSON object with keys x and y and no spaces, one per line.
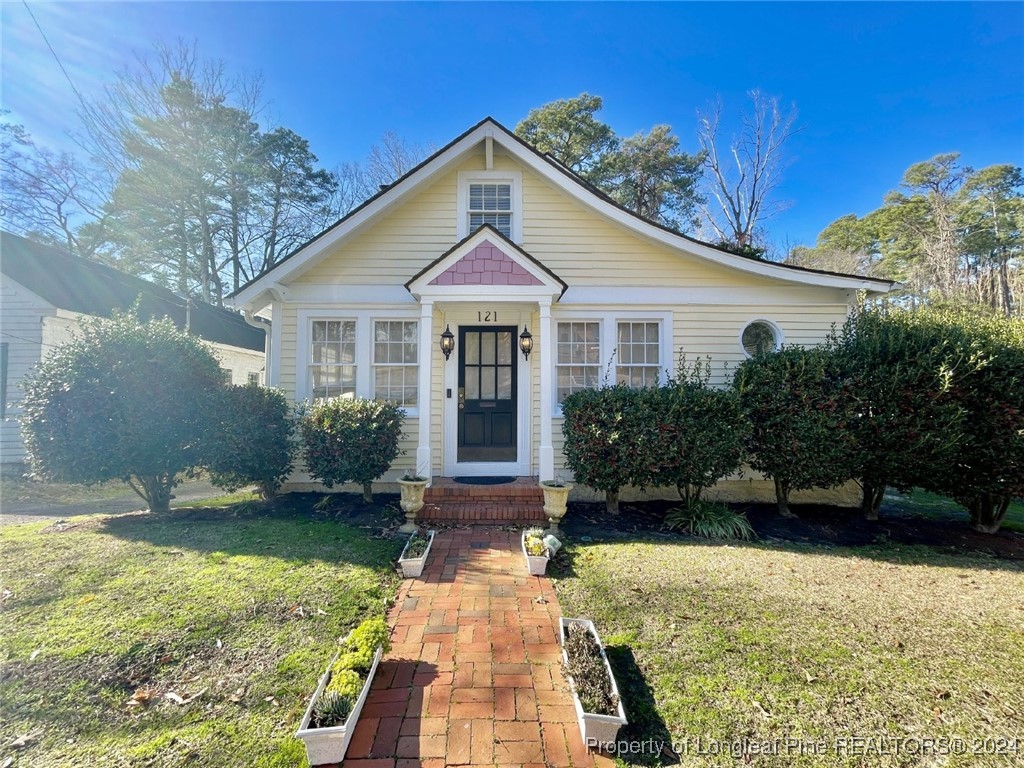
{"x":474,"y":674}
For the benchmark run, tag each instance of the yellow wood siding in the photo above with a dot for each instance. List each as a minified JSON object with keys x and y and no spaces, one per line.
{"x":579,"y":245}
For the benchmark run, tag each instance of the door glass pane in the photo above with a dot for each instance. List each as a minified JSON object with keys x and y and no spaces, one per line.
{"x":487,"y":348}
{"x":504,"y":383}
{"x":472,"y":383}
{"x":505,"y":348}
{"x":487,"y":387}
{"x":472,"y":348}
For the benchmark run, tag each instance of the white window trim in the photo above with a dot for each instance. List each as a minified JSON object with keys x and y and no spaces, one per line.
{"x":364,"y":319}
{"x":780,"y":337}
{"x":609,"y":342}
{"x":515,"y":178}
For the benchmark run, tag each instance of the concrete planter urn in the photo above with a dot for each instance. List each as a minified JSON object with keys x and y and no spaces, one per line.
{"x":556,"y":496}
{"x":412,"y":500}
{"x":597,"y":730}
{"x":412,"y":565}
{"x":328,"y":745}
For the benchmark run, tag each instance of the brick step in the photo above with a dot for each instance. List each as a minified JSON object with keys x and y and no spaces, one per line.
{"x":485,"y":512}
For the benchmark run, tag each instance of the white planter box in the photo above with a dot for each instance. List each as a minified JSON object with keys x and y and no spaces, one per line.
{"x":412,"y":567}
{"x":328,"y":745}
{"x":537,"y":564}
{"x":595,"y":729}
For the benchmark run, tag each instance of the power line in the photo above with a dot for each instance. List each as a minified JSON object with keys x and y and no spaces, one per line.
{"x":55,"y":56}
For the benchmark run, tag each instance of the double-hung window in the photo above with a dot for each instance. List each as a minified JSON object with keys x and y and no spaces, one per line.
{"x":629,"y":350}
{"x":332,"y":368}
{"x":395,"y":358}
{"x":363,"y":356}
{"x":638,"y":354}
{"x":578,"y":359}
{"x":491,"y":204}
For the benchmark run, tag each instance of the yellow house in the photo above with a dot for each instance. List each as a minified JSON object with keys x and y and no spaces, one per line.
{"x":538,"y":285}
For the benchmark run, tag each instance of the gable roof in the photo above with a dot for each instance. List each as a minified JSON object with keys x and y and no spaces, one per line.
{"x":563,"y":178}
{"x":90,"y":288}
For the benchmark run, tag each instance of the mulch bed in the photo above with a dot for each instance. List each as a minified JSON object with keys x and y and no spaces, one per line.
{"x":813,"y":524}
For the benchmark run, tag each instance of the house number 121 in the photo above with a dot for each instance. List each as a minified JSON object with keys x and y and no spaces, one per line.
{"x":487,"y":317}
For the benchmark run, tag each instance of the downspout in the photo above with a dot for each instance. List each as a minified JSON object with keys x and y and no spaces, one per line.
{"x":250,"y":319}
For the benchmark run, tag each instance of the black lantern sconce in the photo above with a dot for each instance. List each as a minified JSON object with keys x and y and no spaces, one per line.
{"x":447,"y":341}
{"x":526,"y":343}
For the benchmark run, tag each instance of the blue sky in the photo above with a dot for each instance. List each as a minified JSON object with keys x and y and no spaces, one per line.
{"x":877,"y":86}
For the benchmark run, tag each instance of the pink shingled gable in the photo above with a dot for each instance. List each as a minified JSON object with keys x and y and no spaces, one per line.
{"x":485,"y":265}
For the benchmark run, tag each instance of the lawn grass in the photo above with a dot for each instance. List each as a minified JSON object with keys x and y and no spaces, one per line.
{"x":811,"y":643}
{"x":109,"y":623}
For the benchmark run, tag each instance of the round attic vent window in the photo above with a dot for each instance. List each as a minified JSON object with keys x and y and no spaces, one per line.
{"x":760,"y":337}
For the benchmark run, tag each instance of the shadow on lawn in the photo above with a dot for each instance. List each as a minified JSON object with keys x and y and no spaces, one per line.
{"x":835,"y":531}
{"x":646,"y":736}
{"x":291,"y":527}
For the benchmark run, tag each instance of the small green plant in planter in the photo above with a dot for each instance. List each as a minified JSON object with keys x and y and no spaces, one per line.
{"x":331,"y":717}
{"x":710,"y":520}
{"x":417,"y":546}
{"x":414,"y":557}
{"x":535,"y":546}
{"x":331,"y":709}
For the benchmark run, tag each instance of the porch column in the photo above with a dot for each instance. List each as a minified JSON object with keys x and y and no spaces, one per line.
{"x":546,"y":459}
{"x":424,"y":464}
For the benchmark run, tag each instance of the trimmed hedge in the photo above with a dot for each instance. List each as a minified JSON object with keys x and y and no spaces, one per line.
{"x":351,"y":440}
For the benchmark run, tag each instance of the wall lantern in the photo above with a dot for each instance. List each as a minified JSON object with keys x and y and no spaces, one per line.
{"x":526,"y":343}
{"x":447,"y":341}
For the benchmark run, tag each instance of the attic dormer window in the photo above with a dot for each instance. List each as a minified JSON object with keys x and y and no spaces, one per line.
{"x":491,"y":204}
{"x":492,"y":197}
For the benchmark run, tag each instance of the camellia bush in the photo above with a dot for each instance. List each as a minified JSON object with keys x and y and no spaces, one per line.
{"x":350,"y":440}
{"x":799,"y":420}
{"x":606,"y":432}
{"x":701,"y":433}
{"x":250,"y":441}
{"x":123,"y":400}
{"x":902,"y":371}
{"x":987,"y":472}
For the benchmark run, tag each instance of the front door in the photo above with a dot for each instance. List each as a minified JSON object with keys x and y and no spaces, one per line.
{"x":487,"y":394}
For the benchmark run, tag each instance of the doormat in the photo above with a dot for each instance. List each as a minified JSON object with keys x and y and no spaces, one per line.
{"x":483,"y":480}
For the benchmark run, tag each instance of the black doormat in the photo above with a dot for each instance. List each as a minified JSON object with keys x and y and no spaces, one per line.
{"x":483,"y":480}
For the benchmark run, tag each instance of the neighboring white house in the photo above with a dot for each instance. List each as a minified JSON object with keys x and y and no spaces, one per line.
{"x":45,"y":294}
{"x":489,"y":240}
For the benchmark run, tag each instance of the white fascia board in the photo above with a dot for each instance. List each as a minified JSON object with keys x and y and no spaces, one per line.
{"x":310,"y":255}
{"x":676,"y":242}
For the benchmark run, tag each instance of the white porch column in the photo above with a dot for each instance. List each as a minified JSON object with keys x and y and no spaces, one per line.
{"x":546,"y":459}
{"x":424,"y":464}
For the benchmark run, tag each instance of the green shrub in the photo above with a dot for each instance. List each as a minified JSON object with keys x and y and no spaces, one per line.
{"x":988,"y":471}
{"x":251,"y":441}
{"x":701,"y":433}
{"x":900,"y":370}
{"x":710,"y":520}
{"x":603,"y":439}
{"x":124,"y":399}
{"x":350,"y":440}
{"x":799,"y":419}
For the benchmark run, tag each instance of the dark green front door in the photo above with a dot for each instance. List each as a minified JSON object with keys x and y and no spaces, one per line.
{"x":487,"y":394}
